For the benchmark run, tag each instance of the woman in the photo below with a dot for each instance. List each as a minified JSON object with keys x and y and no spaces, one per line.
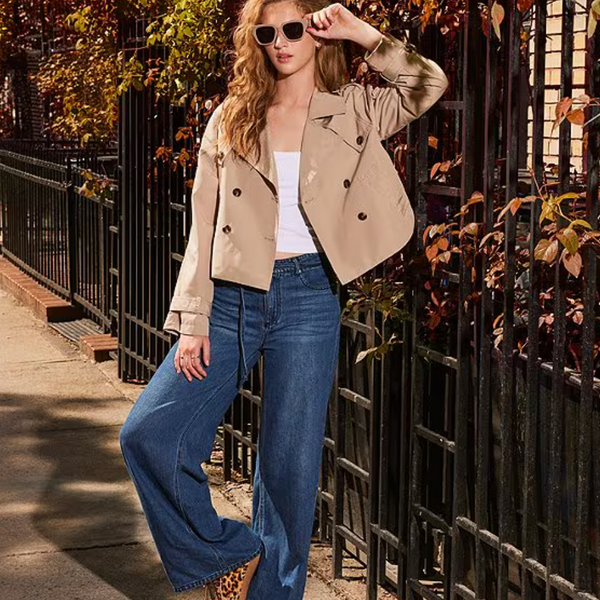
{"x":293,"y":192}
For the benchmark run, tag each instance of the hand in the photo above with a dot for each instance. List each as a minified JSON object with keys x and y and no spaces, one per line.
{"x":336,"y":22}
{"x":192,"y":346}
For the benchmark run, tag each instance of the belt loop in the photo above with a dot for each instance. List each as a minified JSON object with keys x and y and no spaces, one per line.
{"x":242,"y":368}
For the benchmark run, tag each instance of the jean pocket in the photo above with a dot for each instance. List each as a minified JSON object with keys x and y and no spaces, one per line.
{"x":316,"y":278}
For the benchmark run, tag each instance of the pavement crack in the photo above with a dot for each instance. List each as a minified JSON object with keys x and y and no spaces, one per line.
{"x":61,"y":429}
{"x":74,"y":549}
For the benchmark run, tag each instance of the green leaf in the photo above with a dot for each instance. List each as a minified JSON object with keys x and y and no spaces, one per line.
{"x":581,"y":222}
{"x":568,"y":196}
{"x":569,"y":239}
{"x":365,"y":353}
{"x":592,"y":22}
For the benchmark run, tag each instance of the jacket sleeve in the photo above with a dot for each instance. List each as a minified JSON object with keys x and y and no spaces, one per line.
{"x":416,"y":83}
{"x":191,"y":304}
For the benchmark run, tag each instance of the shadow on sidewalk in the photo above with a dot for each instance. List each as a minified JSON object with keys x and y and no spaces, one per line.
{"x":66,"y":487}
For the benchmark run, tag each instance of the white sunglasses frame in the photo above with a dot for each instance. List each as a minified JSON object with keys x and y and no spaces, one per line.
{"x":306,"y":22}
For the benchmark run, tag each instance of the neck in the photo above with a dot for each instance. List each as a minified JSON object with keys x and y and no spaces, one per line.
{"x":294,"y":91}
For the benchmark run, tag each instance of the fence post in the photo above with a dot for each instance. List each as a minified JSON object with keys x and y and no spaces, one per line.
{"x":71,"y":230}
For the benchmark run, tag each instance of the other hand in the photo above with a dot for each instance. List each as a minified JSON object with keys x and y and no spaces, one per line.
{"x":335,"y":22}
{"x":189,"y":351}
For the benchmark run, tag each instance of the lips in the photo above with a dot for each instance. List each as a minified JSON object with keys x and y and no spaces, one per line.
{"x":284,"y":56}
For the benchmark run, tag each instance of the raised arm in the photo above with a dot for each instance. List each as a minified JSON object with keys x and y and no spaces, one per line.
{"x":416,"y":83}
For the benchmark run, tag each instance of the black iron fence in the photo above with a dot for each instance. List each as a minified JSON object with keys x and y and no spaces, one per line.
{"x":504,"y":494}
{"x":66,"y":240}
{"x":156,"y":214}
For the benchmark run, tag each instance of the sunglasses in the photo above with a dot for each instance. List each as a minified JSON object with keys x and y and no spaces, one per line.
{"x":292,"y":31}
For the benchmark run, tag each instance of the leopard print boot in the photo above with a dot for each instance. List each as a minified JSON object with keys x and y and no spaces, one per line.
{"x":229,"y":585}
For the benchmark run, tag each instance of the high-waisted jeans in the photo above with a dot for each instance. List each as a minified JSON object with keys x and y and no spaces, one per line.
{"x":171,"y":429}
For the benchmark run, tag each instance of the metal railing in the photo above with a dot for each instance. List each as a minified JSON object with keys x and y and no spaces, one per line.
{"x":65,"y":240}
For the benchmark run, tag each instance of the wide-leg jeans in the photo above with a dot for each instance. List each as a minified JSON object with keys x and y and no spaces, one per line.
{"x":171,"y":429}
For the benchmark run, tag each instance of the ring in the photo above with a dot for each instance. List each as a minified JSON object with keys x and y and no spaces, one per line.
{"x":184,"y":355}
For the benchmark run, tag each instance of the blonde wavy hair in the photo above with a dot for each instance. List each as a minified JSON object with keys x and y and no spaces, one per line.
{"x":252,"y":87}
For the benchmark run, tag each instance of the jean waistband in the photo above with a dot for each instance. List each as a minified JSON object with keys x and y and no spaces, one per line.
{"x":294,"y":264}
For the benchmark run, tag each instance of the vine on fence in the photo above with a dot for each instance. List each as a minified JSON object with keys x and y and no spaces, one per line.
{"x":462,"y":238}
{"x":80,"y":81}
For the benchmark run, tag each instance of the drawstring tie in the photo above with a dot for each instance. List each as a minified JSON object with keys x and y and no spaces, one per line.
{"x":242,"y":368}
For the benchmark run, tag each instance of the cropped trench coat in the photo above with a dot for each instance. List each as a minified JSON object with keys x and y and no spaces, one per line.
{"x":349,"y":189}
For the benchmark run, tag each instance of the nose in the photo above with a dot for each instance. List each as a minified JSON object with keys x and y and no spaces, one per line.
{"x":279,"y":40}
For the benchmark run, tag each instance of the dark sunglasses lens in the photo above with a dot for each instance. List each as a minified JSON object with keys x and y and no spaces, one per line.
{"x":265,"y":34}
{"x":294,"y":30}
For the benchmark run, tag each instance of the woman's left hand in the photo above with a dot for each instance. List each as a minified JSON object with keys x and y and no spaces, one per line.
{"x":336,"y":22}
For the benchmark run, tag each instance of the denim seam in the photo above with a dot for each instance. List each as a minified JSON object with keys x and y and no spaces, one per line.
{"x":242,"y":366}
{"x":304,"y":281}
{"x":260,"y":528}
{"x":278,"y":311}
{"x":178,"y":463}
{"x":215,"y":574}
{"x":261,"y":504}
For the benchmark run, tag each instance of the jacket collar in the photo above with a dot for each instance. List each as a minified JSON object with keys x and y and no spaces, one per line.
{"x":322,"y":104}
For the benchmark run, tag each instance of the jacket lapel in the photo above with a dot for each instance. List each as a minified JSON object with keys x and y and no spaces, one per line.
{"x":322,"y":109}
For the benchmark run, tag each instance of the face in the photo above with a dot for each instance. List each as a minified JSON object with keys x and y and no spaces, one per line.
{"x":287,"y":57}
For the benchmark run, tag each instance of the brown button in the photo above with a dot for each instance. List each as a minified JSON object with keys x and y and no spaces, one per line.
{"x":362,"y":216}
{"x":236,"y":191}
{"x":227,"y":229}
{"x":359,"y":139}
{"x":346,"y":183}
{"x":220,"y":154}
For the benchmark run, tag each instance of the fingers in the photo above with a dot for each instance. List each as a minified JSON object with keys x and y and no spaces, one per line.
{"x":324,"y":18}
{"x":176,"y":361}
{"x":187,"y":359}
{"x":320,"y":20}
{"x":206,"y":350}
{"x":191,"y":367}
{"x":195,"y":368}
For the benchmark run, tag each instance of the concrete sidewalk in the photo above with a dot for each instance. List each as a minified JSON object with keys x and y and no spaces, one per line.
{"x":71,"y":526}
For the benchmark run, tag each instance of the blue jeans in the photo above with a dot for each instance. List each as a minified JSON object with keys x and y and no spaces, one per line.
{"x":171,"y":428}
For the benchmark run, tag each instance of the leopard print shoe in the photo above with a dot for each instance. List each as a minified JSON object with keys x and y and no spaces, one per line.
{"x":229,"y":585}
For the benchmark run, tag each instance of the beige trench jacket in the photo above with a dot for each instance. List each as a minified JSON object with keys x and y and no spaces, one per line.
{"x":348,"y":186}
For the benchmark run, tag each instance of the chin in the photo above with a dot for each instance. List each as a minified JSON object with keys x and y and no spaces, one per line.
{"x":284,"y":70}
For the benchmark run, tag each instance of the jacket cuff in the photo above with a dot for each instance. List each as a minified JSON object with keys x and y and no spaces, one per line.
{"x":193,"y":305}
{"x":186,"y":323}
{"x":381,"y":58}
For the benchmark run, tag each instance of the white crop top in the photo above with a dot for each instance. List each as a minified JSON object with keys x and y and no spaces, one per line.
{"x":294,"y":233}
